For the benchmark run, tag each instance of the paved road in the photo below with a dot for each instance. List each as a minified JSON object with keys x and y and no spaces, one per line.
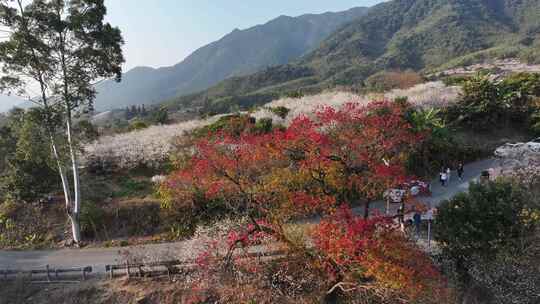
{"x":99,"y":257}
{"x":439,"y":193}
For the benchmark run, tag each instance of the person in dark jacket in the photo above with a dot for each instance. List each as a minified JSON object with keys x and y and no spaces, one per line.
{"x":417,"y":219}
{"x":460,"y":171}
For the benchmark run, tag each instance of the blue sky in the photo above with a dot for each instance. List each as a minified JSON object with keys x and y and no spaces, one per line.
{"x":163,"y":32}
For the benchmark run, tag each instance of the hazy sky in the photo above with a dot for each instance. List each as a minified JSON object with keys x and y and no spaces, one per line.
{"x":163,"y":32}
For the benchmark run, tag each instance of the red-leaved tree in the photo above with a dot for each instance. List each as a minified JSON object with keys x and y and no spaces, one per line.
{"x":317,"y":165}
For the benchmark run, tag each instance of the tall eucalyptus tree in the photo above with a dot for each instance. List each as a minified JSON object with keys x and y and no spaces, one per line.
{"x":61,"y":48}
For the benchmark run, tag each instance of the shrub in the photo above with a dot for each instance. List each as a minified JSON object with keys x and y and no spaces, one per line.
{"x":263,"y":126}
{"x":137,"y":125}
{"x":455,"y":80}
{"x":389,"y":80}
{"x":160,"y":116}
{"x":280,"y":111}
{"x":294,"y":94}
{"x":92,"y":219}
{"x":486,"y":103}
{"x":492,"y":218}
{"x":491,"y":235}
{"x":21,"y":225}
{"x":130,"y":187}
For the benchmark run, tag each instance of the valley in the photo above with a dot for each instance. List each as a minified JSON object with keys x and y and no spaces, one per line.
{"x":384,"y":154}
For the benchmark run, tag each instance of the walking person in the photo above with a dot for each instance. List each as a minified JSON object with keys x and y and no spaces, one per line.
{"x":460,"y":171}
{"x":448,"y":173}
{"x":444,"y":178}
{"x":417,"y":218}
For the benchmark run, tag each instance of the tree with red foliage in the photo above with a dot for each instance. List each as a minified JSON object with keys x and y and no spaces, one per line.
{"x":367,"y":250}
{"x":316,"y":165}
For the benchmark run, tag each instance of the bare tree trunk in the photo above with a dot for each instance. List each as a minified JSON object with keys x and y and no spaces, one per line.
{"x":62,"y":172}
{"x":75,"y":211}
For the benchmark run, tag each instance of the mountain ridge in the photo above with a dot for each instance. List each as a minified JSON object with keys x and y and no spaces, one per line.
{"x":421,"y":35}
{"x":238,"y":53}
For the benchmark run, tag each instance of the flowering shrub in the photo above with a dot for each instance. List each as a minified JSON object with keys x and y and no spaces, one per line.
{"x":426,"y":95}
{"x":316,"y":165}
{"x":153,"y":146}
{"x":149,"y":147}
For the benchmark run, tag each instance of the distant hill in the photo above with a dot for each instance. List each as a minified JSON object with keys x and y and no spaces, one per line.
{"x":422,"y":35}
{"x":8,"y":102}
{"x":239,"y":53}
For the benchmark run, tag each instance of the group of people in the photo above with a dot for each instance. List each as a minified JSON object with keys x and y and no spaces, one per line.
{"x":444,"y":175}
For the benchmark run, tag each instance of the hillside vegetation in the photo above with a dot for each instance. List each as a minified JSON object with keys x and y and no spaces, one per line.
{"x":421,"y":35}
{"x":241,"y":52}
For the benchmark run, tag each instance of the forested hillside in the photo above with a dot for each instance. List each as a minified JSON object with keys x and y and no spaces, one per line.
{"x":239,"y":53}
{"x":421,"y":35}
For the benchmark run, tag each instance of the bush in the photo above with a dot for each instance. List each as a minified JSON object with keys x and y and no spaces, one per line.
{"x":457,"y":80}
{"x":280,"y":111}
{"x":294,"y":95}
{"x":160,"y":116}
{"x":27,"y":170}
{"x":137,"y":125}
{"x":21,"y":226}
{"x":491,"y":218}
{"x":385,"y":81}
{"x":92,"y":219}
{"x":490,"y":235}
{"x":263,"y":126}
{"x":130,"y":187}
{"x":486,"y":104}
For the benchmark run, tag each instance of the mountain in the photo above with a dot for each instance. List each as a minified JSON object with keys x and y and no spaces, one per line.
{"x":8,"y":102}
{"x":239,"y":53}
{"x":422,"y":35}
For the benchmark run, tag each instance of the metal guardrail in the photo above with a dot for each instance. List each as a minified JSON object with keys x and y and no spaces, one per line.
{"x":169,"y":267}
{"x":48,"y":275}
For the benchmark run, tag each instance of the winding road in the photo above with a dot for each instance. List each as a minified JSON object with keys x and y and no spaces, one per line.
{"x":99,"y":257}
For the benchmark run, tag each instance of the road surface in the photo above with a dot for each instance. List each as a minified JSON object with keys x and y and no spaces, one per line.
{"x":99,"y":257}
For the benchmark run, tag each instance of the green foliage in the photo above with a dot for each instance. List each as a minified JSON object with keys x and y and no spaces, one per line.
{"x":137,"y":125}
{"x":455,"y":80}
{"x":535,"y":118}
{"x":20,"y":225}
{"x":402,"y":100}
{"x":440,"y":147}
{"x":388,"y":80}
{"x":27,"y":170}
{"x":486,"y":103}
{"x":86,"y":131}
{"x":235,"y":125}
{"x":182,"y":220}
{"x":263,"y":126}
{"x":428,"y":120}
{"x":491,"y":218}
{"x":130,"y":187}
{"x":294,"y":95}
{"x":8,"y":142}
{"x":396,"y":35}
{"x":280,"y":111}
{"x":92,"y":219}
{"x":160,"y":116}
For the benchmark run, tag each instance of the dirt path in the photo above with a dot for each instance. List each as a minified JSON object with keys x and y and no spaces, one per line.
{"x":99,"y":257}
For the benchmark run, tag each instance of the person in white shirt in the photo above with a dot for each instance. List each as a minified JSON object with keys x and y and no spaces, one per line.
{"x":444,"y":178}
